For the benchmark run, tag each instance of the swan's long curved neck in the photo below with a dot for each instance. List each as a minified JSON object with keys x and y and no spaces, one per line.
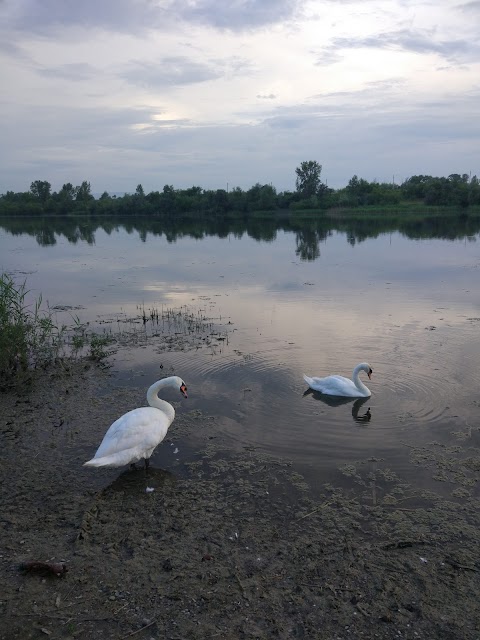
{"x":358,"y":383}
{"x":154,"y":401}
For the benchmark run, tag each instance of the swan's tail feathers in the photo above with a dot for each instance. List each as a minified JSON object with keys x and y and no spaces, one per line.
{"x":100,"y":462}
{"x":114,"y":460}
{"x":308,"y":380}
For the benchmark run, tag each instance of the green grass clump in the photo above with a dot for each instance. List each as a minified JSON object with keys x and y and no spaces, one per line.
{"x":98,"y":344}
{"x":28,"y":336}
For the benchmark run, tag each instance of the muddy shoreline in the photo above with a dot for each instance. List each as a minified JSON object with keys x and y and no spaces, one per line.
{"x":232,"y":546}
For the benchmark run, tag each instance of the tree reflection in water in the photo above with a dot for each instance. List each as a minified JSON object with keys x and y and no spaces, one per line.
{"x":309,"y":231}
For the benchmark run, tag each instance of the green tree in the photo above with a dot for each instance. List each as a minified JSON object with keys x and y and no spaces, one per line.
{"x":41,"y":189}
{"x":438,"y":192}
{"x":67,"y":192}
{"x":261,"y":198}
{"x":308,"y":178}
{"x":220,"y":201}
{"x":360,"y":192}
{"x":82,"y":193}
{"x":237,"y":199}
{"x":415,"y":187}
{"x":167,"y":200}
{"x":474,"y":191}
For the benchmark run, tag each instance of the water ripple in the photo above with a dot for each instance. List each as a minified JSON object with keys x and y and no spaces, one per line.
{"x":261,"y":400}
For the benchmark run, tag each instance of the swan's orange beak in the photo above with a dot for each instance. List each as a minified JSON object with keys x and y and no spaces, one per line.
{"x":369,"y":374}
{"x":183,"y":390}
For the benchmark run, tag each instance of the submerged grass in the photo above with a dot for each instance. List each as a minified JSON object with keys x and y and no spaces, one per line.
{"x":180,"y":328}
{"x":174,"y":329}
{"x":30,"y":337}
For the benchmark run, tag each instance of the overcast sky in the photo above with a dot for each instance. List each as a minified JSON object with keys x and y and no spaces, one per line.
{"x":234,"y":92}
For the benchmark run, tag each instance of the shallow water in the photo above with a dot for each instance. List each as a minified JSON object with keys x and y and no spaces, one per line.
{"x":411,"y":308}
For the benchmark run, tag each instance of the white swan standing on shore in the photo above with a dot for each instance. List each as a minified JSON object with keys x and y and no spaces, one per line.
{"x":340,"y":386}
{"x":136,"y":434}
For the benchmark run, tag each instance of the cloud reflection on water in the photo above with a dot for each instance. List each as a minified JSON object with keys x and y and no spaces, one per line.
{"x":376,"y":300}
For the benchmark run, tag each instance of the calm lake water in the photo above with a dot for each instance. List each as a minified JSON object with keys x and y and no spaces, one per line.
{"x":315,"y":300}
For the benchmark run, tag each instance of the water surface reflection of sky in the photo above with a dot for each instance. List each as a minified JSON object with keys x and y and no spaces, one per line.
{"x":410,"y":308}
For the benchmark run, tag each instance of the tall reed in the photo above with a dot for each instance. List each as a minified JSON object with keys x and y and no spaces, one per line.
{"x":28,"y":336}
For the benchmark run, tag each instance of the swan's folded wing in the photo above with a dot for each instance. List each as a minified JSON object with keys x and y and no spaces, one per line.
{"x":144,"y":427}
{"x":329,"y":380}
{"x":339,"y":379}
{"x":338,"y":385}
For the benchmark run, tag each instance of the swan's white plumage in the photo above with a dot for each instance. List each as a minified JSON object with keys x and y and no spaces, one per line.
{"x":136,"y":434}
{"x":340,"y":386}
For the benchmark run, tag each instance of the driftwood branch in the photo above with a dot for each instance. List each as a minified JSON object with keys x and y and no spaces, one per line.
{"x":134,"y":633}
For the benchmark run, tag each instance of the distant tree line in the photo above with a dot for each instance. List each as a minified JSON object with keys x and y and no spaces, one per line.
{"x":310,"y":194}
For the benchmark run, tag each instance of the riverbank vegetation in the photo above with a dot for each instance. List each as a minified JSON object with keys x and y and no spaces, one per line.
{"x":32,"y":338}
{"x":28,"y":336}
{"x":419,"y":194}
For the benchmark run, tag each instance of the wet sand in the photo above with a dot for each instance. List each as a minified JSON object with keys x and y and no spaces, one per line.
{"x":235,"y":545}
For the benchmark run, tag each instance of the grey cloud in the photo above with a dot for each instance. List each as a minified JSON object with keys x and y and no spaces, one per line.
{"x":376,"y":89}
{"x":75,"y":71}
{"x":473,"y":7}
{"x":384,"y":95}
{"x":180,"y":70}
{"x":434,"y":120}
{"x":270,"y":96}
{"x":237,"y":15}
{"x":115,"y":15}
{"x":42,"y":16}
{"x":12,"y":50}
{"x":83,"y":126}
{"x":113,"y":156}
{"x":63,"y":144}
{"x":408,"y":40}
{"x":235,"y":65}
{"x":164,"y":124}
{"x":169,"y":71}
{"x":329,"y":55}
{"x":287,"y":122}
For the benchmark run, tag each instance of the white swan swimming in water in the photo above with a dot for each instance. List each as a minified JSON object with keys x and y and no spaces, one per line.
{"x":340,"y":386}
{"x":136,"y":434}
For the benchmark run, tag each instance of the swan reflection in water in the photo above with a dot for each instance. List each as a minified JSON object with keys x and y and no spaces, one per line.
{"x":337,"y":401}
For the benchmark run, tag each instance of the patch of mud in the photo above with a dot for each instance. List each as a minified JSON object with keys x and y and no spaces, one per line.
{"x":224,"y":546}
